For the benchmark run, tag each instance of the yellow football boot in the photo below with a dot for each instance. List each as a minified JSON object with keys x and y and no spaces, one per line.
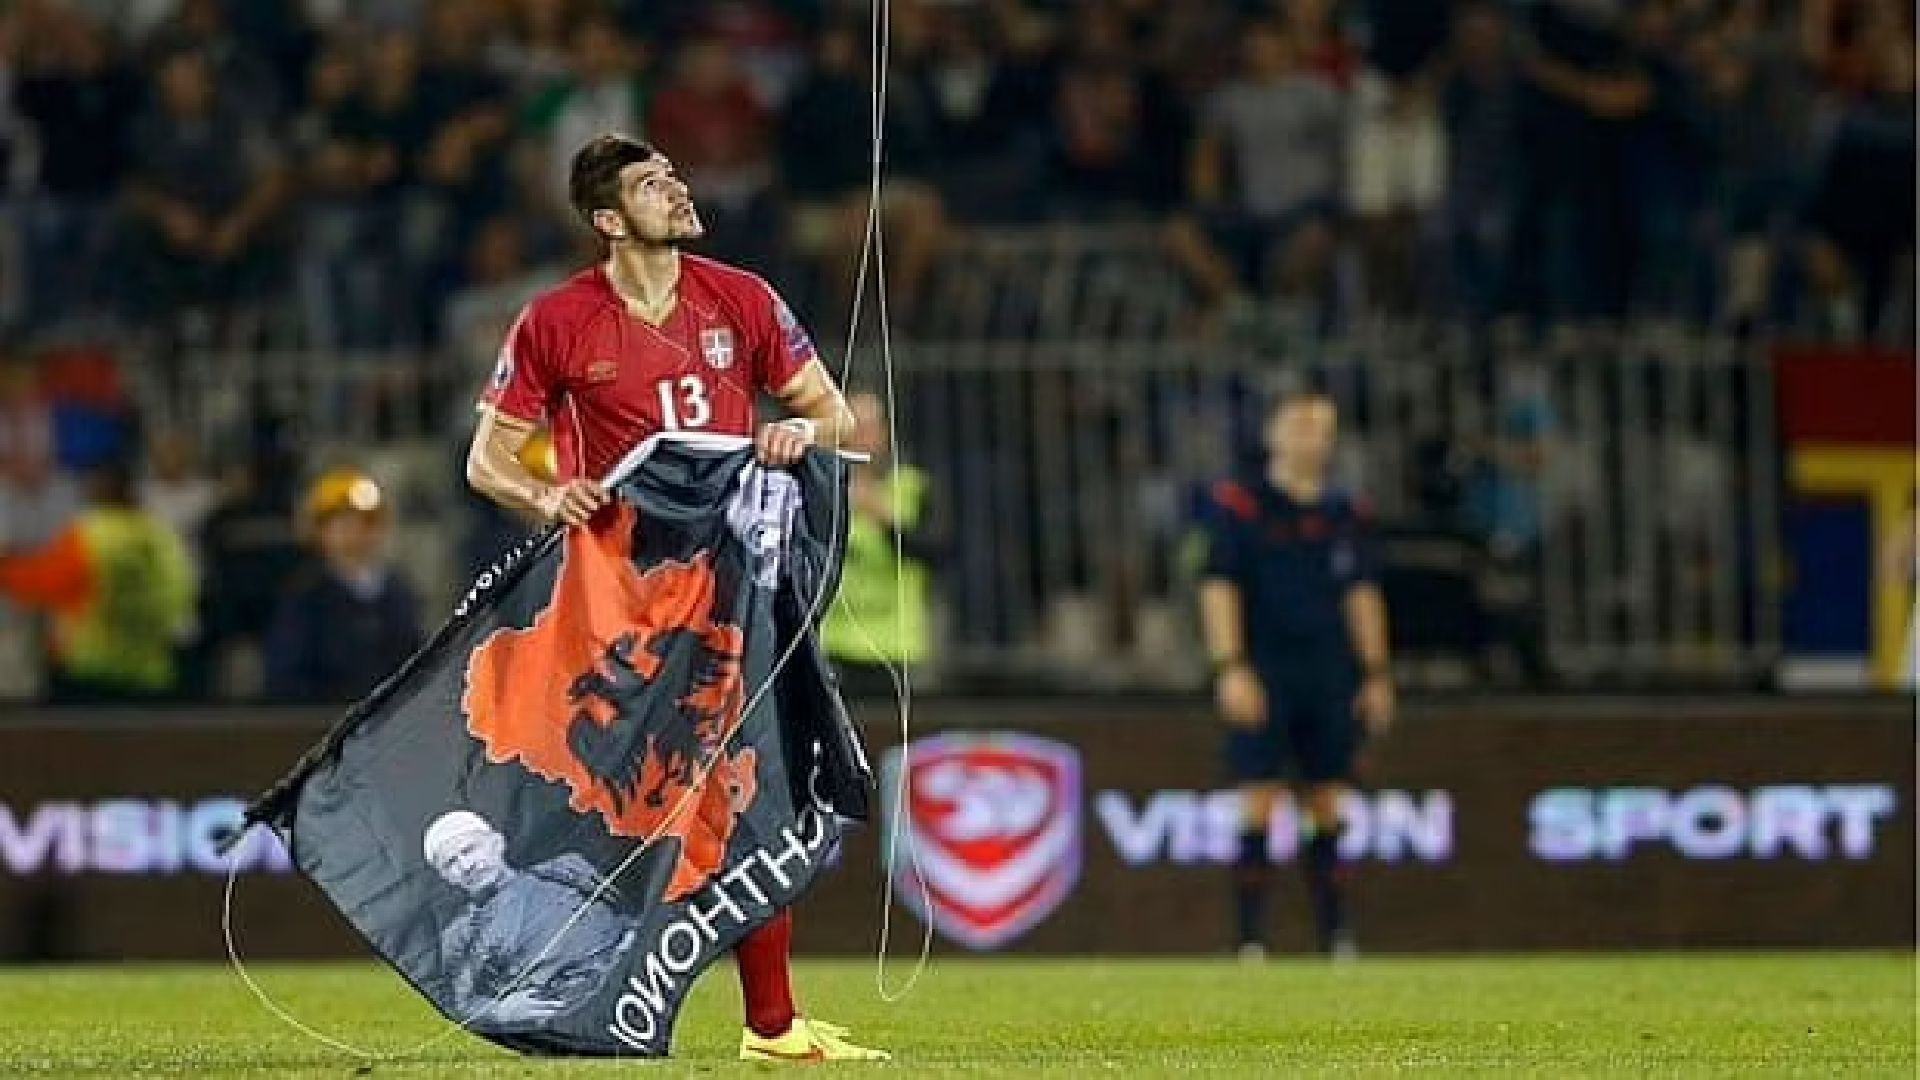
{"x":806,"y":1040}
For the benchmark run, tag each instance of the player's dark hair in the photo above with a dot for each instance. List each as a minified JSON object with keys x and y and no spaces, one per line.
{"x":593,"y":183}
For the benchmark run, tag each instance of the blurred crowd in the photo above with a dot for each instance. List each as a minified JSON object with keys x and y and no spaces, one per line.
{"x":133,"y":570}
{"x":362,"y":177}
{"x":384,"y":174}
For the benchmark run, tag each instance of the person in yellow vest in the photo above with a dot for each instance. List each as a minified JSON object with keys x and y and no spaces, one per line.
{"x":119,"y":587}
{"x":882,"y":617}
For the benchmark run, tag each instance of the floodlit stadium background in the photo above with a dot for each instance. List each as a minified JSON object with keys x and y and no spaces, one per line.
{"x":1617,"y":300}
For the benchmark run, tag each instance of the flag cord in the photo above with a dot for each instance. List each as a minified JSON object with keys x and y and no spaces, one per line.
{"x":873,"y":263}
{"x":872,"y":257}
{"x":240,"y":967}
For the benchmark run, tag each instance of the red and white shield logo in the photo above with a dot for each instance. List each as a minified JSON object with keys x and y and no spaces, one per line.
{"x":995,"y":825}
{"x":716,"y":344}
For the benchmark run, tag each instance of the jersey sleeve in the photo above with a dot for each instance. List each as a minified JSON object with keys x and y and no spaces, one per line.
{"x":781,"y":345}
{"x":1222,"y":556}
{"x":525,"y":382}
{"x":1365,"y":564}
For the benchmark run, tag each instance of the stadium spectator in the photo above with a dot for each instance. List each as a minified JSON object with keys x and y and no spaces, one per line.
{"x":206,"y":189}
{"x":604,"y":88}
{"x":348,"y":275}
{"x":1266,"y":176}
{"x":1396,"y":177}
{"x":346,"y":619}
{"x":241,"y":74}
{"x":393,"y":126}
{"x":539,"y":44}
{"x":177,"y":491}
{"x":1116,"y":134}
{"x":708,"y":119}
{"x":766,"y":40}
{"x":1861,"y":213}
{"x":119,"y":589}
{"x":1756,"y":106}
{"x":881,"y":621}
{"x":76,"y":95}
{"x":1506,"y":508}
{"x":1587,"y":92}
{"x":1481,"y":101}
{"x":1666,"y":166}
{"x":1319,"y":46}
{"x":824,"y":169}
{"x":463,"y":161}
{"x":250,"y":536}
{"x":988,"y":78}
{"x":37,"y":499}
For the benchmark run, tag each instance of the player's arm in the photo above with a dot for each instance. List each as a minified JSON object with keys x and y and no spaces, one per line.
{"x":1236,"y":686}
{"x":494,"y":469}
{"x":811,"y":396}
{"x":1237,"y":689}
{"x":1366,"y":611}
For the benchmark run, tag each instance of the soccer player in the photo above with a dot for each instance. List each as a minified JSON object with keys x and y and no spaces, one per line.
{"x":1296,"y":629}
{"x":654,"y":339}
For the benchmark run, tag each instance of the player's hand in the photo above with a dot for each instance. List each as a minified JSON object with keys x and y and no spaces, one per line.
{"x":1240,"y":696}
{"x":782,"y":444}
{"x":1374,"y":705}
{"x":572,"y":502}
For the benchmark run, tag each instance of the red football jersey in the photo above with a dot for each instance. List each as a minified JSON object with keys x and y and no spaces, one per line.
{"x":606,"y":379}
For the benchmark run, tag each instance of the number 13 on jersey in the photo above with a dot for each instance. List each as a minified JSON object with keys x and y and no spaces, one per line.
{"x":683,"y":403}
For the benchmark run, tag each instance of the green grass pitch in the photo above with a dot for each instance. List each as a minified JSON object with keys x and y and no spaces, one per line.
{"x":1732,"y":1015}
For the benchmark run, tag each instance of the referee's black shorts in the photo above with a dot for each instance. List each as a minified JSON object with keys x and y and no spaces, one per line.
{"x":1310,"y":734}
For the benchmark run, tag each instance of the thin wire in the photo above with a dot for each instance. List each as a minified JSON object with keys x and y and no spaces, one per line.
{"x":873,"y":258}
{"x":272,"y":1006}
{"x":902,"y":680}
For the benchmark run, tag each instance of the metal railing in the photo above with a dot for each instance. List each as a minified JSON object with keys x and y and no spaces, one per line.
{"x":1608,"y":494}
{"x":1057,"y":282}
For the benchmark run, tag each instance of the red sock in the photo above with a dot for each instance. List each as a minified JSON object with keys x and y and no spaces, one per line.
{"x":766,"y":984}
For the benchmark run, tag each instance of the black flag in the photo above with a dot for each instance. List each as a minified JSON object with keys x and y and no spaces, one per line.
{"x":623,"y":752}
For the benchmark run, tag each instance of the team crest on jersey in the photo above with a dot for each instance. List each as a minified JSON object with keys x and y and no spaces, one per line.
{"x":996,"y":819}
{"x":716,"y":344}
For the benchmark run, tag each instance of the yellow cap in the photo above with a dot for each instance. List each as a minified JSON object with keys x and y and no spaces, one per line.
{"x":341,"y":489}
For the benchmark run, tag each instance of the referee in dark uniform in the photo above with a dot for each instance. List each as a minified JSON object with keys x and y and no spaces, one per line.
{"x":1297,"y":632}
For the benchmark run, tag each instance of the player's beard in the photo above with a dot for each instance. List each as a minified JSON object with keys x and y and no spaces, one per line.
{"x":679,"y":228}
